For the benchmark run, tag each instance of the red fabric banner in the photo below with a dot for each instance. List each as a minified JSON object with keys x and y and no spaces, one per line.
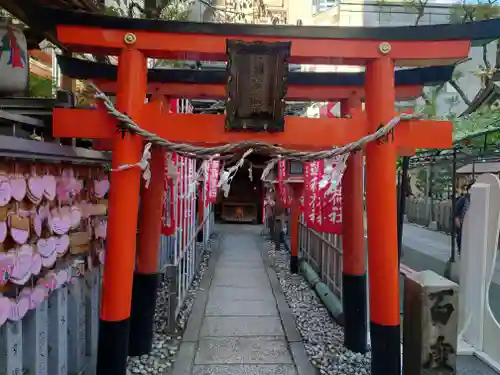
{"x":332,"y":212}
{"x":284,"y":196}
{"x":169,"y":194}
{"x":313,"y":173}
{"x":211,"y":181}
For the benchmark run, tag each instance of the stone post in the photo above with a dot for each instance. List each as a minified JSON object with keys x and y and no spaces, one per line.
{"x":172,"y":277}
{"x":430,"y":324}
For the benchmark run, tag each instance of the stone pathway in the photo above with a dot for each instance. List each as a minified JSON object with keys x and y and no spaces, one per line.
{"x":240,"y":323}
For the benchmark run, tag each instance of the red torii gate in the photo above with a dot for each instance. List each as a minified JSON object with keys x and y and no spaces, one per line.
{"x":135,"y":40}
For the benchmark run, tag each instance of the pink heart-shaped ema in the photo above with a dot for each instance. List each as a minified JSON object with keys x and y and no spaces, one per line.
{"x":76,"y":216}
{"x":21,"y":281}
{"x":59,"y":224}
{"x":49,"y":187}
{"x":22,"y":264}
{"x":37,"y":225}
{"x":19,"y":235}
{"x":46,"y":247}
{"x":48,"y":262}
{"x":62,"y":244}
{"x":36,"y":188}
{"x":5,"y":191}
{"x":4,"y":309}
{"x":3,"y":231}
{"x":19,"y":308}
{"x":36,"y":264}
{"x":101,"y":187}
{"x":18,"y":187}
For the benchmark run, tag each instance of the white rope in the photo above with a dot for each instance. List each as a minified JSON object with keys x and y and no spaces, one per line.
{"x":268,"y":169}
{"x":143,"y":164}
{"x":227,"y":176}
{"x":204,"y":152}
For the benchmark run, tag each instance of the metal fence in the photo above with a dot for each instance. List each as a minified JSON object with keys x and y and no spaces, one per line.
{"x":179,"y":263}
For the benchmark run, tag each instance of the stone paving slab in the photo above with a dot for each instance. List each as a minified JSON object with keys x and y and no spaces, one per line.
{"x":228,"y":326}
{"x":243,"y":280}
{"x":243,"y":259}
{"x":242,"y":270}
{"x":239,"y":274}
{"x":230,"y":264}
{"x":221,"y":294}
{"x":244,"y":370}
{"x":242,"y":350}
{"x":244,"y":326}
{"x":242,"y":308}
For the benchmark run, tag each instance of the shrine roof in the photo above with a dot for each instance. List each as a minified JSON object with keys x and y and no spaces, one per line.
{"x":479,"y":32}
{"x":82,"y":69}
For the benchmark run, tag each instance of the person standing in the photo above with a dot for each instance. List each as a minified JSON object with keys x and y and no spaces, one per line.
{"x":461,"y":209}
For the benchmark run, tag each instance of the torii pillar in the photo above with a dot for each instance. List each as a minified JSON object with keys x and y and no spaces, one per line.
{"x":354,"y":297}
{"x":383,"y":265}
{"x":114,"y":324}
{"x":146,"y":275}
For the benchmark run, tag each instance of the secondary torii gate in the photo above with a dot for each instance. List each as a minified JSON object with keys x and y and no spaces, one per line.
{"x":379,"y":49}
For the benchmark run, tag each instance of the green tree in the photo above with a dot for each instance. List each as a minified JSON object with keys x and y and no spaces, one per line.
{"x":39,"y":87}
{"x":153,"y":9}
{"x":463,"y":12}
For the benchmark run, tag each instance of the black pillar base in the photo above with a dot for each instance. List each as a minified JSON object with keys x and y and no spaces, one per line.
{"x":142,"y":313}
{"x":199,"y":236}
{"x":386,"y":349}
{"x":294,"y":264}
{"x":113,"y":347}
{"x":355,"y":312}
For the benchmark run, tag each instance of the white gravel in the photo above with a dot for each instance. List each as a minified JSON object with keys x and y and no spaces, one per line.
{"x":323,"y":337}
{"x":165,"y":345}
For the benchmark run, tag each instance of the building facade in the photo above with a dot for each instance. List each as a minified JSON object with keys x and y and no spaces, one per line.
{"x":322,"y":5}
{"x":376,"y":13}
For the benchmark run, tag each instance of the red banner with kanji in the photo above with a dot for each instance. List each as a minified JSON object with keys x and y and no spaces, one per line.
{"x":168,"y":217}
{"x":313,"y":174}
{"x":332,"y":211}
{"x":284,"y":196}
{"x":211,"y":181}
{"x":332,"y":206}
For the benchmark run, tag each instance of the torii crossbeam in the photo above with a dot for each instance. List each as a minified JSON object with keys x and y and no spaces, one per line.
{"x":379,"y":49}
